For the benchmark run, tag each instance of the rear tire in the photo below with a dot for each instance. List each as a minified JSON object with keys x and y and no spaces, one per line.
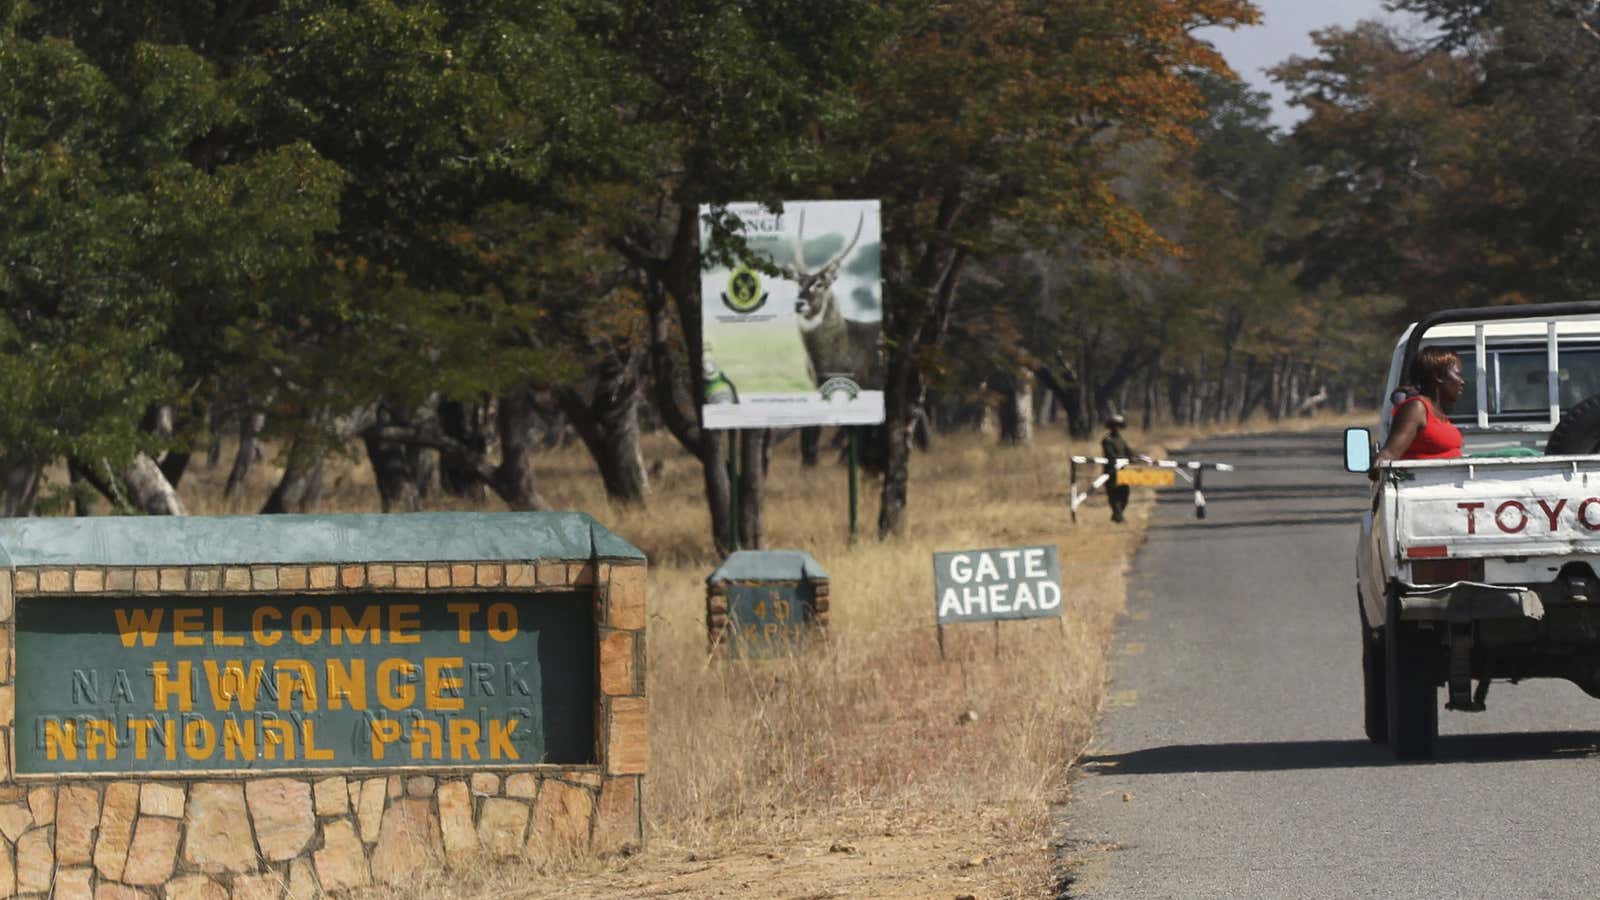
{"x":1375,"y":690}
{"x":1411,"y":695}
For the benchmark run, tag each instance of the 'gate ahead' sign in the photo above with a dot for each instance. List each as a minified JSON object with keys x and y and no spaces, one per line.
{"x":1000,"y":583}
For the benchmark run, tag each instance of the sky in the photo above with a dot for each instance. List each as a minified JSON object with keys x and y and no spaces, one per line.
{"x":1285,"y":31}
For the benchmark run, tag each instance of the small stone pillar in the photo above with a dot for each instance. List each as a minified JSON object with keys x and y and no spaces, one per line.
{"x":762,"y":604}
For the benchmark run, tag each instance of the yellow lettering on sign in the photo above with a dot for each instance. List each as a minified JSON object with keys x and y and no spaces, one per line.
{"x":463,"y":736}
{"x":384,"y":733}
{"x":404,"y":622}
{"x":99,"y":734}
{"x":169,"y":731}
{"x":230,"y":683}
{"x":424,"y":731}
{"x":186,"y":628}
{"x":219,"y":634}
{"x":60,"y":739}
{"x":464,"y":613}
{"x":437,"y":679}
{"x":258,"y":628}
{"x":394,"y":693}
{"x":296,"y":676}
{"x":138,"y":625}
{"x":239,"y":739}
{"x":276,"y":734}
{"x":502,"y":621}
{"x":500,"y":739}
{"x":305,"y":624}
{"x":168,"y":688}
{"x":199,"y":739}
{"x":308,"y":742}
{"x":343,"y":629}
{"x":347,"y":683}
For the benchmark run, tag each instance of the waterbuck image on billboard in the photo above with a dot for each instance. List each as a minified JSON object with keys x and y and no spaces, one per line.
{"x":999,"y":583}
{"x":799,"y":347}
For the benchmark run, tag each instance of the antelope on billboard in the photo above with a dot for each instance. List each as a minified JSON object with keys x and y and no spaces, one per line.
{"x":791,"y":327}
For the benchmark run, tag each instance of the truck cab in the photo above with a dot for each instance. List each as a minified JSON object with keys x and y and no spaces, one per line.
{"x":1483,"y":568}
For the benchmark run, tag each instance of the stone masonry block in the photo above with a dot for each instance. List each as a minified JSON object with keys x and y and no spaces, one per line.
{"x":322,"y":577}
{"x":352,"y":576}
{"x":627,"y":744}
{"x":88,"y":581}
{"x":55,"y":581}
{"x":616,"y":663}
{"x":410,"y":577}
{"x":117,"y":813}
{"x":490,"y":575}
{"x":293,"y":578}
{"x":501,"y":825}
{"x":194,"y":887}
{"x":519,"y":575}
{"x":560,"y":819}
{"x":380,"y":576}
{"x":283,"y":814}
{"x":25,"y":581}
{"x":173,"y":578}
{"x":159,"y":799}
{"x":333,"y":797}
{"x":463,"y":575}
{"x":218,"y":835}
{"x":205,"y":578}
{"x":408,"y":841}
{"x":625,"y":600}
{"x":485,"y":784}
{"x":42,"y":804}
{"x":438,"y":576}
{"x":146,"y":581}
{"x":263,"y":578}
{"x":154,"y":853}
{"x":342,"y":861}
{"x":236,"y":578}
{"x":455,"y":819}
{"x":552,"y":574}
{"x":8,"y":601}
{"x":77,"y":814}
{"x":616,"y":823}
{"x":35,"y":861}
{"x":119,"y":580}
{"x":580,"y":574}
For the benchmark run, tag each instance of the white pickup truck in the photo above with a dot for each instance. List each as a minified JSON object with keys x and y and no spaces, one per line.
{"x":1485,"y":567}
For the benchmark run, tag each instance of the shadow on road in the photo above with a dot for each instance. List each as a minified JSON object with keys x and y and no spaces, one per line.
{"x":1280,"y":522}
{"x":1275,"y":756}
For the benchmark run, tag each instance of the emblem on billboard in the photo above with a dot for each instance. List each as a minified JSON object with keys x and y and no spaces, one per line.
{"x":744,"y":294}
{"x":839,"y":384}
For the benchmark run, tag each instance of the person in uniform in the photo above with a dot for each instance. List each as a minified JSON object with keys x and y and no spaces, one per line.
{"x":1113,"y":447}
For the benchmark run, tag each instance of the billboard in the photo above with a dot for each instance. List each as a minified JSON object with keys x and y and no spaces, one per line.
{"x":799,"y":347}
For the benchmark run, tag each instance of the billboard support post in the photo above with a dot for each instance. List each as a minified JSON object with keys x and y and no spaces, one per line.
{"x":733,"y":489}
{"x":852,"y":432}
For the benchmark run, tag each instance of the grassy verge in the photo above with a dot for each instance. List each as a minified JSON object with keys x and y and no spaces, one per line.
{"x":871,"y":766}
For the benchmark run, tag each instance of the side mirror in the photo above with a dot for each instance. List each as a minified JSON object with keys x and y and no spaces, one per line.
{"x":1357,"y":449}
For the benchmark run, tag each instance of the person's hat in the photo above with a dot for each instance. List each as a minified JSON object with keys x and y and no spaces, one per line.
{"x":1116,"y":419}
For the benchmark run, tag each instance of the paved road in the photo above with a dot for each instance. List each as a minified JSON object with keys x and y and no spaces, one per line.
{"x":1231,"y":762}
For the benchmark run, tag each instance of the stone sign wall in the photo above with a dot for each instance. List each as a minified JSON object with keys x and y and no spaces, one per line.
{"x":304,"y":805}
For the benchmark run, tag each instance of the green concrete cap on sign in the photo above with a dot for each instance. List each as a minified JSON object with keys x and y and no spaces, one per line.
{"x":768,"y":565}
{"x":371,"y":537}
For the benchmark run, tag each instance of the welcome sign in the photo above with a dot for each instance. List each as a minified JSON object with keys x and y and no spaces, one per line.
{"x":359,"y":680}
{"x":999,"y":583}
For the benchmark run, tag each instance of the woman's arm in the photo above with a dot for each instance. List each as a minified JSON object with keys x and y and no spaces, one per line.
{"x":1402,"y":431}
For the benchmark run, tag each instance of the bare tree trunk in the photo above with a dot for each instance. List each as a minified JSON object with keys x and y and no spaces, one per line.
{"x":149,"y":490}
{"x":19,"y":488}
{"x":810,"y":445}
{"x":464,"y":423}
{"x":250,"y":425}
{"x":752,"y":488}
{"x":608,"y":423}
{"x":1016,"y":408}
{"x":517,"y":421}
{"x":300,"y":488}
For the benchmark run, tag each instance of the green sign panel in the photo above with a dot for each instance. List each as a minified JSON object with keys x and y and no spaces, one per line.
{"x":768,"y":620}
{"x":135,"y":684}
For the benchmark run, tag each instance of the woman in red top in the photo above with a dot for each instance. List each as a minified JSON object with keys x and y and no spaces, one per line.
{"x":1418,"y":428}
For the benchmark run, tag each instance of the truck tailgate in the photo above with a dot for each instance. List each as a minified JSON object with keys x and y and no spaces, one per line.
{"x":1519,"y":506}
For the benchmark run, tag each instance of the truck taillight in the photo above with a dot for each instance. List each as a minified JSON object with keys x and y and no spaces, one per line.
{"x":1444,"y":571}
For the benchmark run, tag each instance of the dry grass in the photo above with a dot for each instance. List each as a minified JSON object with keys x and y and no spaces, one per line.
{"x":861,"y":743}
